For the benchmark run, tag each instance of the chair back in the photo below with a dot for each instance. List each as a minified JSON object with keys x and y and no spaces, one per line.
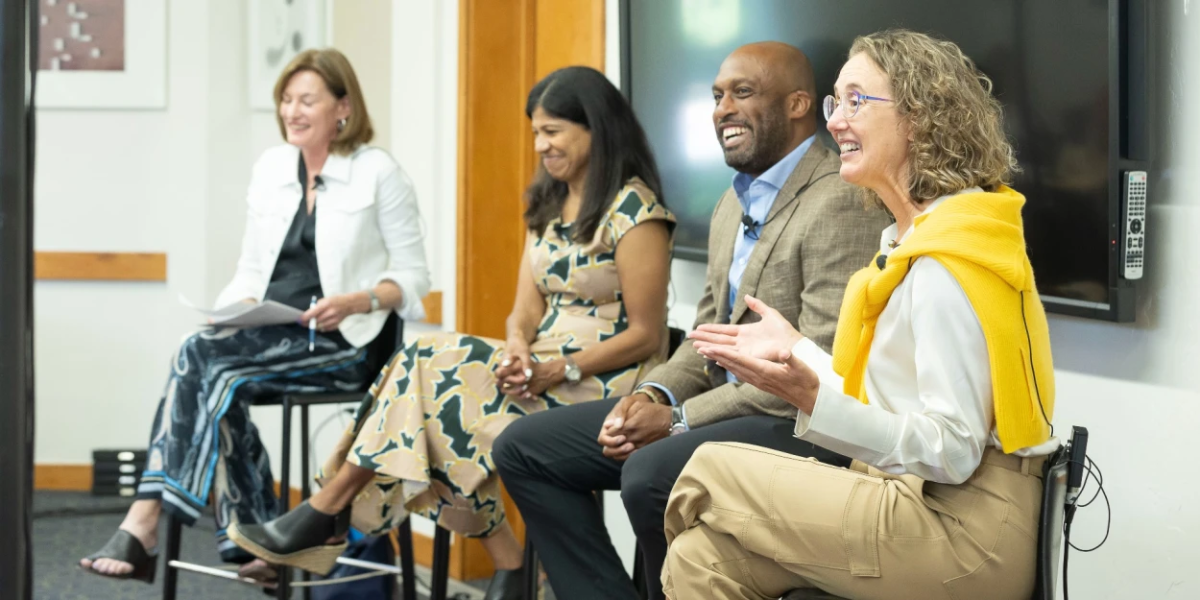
{"x":381,"y":349}
{"x":1050,"y":527}
{"x":675,"y":337}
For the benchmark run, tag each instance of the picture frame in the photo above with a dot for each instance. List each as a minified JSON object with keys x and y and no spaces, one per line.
{"x":139,"y":83}
{"x":279,"y":30}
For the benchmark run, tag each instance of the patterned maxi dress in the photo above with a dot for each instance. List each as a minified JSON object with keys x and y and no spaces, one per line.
{"x":428,"y":423}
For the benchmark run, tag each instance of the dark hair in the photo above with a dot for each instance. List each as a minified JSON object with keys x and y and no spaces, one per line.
{"x":619,"y":150}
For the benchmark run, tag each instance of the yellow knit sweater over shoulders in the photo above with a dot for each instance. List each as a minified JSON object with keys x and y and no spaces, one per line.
{"x":979,"y":238}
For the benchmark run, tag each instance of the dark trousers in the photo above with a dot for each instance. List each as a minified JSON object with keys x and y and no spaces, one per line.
{"x":551,"y":465}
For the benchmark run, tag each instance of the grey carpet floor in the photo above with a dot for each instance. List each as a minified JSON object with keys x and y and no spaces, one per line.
{"x":70,"y":525}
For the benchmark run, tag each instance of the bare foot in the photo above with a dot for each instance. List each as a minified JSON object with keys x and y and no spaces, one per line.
{"x":142,"y":522}
{"x":259,"y":570}
{"x":110,"y":566}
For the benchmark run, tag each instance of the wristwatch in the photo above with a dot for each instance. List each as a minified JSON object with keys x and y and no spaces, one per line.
{"x":572,"y":373}
{"x":374,"y":300}
{"x":678,"y":425}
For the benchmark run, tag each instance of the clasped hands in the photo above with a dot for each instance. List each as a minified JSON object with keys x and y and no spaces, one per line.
{"x":518,"y":375}
{"x":760,"y":354}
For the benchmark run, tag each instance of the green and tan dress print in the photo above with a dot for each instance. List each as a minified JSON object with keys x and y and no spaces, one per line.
{"x":428,"y":424}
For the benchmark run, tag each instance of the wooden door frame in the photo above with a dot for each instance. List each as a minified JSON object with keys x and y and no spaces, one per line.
{"x":496,"y":162}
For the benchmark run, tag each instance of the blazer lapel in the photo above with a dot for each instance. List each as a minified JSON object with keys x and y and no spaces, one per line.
{"x":727,"y":225}
{"x":777,"y":219}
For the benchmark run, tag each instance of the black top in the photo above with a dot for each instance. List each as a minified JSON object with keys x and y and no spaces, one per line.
{"x":296,"y":278}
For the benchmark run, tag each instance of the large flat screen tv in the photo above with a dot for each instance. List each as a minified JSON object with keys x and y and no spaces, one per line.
{"x":1070,"y":74}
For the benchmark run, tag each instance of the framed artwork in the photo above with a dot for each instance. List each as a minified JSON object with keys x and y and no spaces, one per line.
{"x":102,"y":54}
{"x":280,"y":29}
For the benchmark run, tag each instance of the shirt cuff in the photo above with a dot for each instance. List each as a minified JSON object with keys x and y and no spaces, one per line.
{"x":662,"y":389}
{"x":819,"y":361}
{"x":670,"y":397}
{"x":411,"y":308}
{"x":844,"y":425}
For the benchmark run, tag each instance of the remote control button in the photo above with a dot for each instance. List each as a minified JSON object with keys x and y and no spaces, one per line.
{"x":1135,"y":226}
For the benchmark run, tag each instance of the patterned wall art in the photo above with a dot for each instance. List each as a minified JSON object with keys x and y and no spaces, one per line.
{"x":280,"y":29}
{"x":102,"y":54}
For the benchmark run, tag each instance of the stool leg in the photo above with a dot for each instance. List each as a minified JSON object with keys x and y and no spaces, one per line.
{"x":285,"y":460}
{"x":532,"y":572}
{"x":283,"y":590}
{"x":305,"y":487}
{"x":170,"y":575}
{"x":441,"y":564}
{"x":406,"y":560}
{"x":305,"y":480}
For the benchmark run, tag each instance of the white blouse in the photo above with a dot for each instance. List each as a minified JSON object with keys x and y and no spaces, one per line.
{"x":928,"y":379}
{"x":368,"y":230}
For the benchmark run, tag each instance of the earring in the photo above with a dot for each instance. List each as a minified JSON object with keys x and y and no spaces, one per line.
{"x":341,"y":124}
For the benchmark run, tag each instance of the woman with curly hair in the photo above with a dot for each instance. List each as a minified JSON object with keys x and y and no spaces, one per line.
{"x":940,"y":385}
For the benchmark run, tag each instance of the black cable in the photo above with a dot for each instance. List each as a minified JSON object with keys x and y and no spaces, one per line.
{"x":1069,"y":517}
{"x":1032,"y":369}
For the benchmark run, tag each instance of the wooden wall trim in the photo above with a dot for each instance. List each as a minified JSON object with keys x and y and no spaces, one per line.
{"x":62,"y":478}
{"x":433,"y":307}
{"x":100,"y":266}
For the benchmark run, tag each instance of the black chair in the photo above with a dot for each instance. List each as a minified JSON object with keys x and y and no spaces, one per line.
{"x":379,"y":351}
{"x":1062,"y":477}
{"x":675,"y":337}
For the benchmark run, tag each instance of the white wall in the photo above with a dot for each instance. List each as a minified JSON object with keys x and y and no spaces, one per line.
{"x":174,"y":181}
{"x":1135,"y":387}
{"x":121,"y":181}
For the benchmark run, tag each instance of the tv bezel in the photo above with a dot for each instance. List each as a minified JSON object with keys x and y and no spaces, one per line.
{"x":1128,"y":146}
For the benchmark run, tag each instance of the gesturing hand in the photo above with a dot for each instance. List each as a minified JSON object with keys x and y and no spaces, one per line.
{"x":764,"y":339}
{"x":783,"y":375}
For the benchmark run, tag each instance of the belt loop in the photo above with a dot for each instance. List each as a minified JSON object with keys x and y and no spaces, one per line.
{"x":1025,"y":462}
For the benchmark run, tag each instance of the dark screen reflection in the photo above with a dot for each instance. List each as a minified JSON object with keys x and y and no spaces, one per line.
{"x":1048,"y":61}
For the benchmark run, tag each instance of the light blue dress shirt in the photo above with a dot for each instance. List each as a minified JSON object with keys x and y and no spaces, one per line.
{"x":756,"y":195}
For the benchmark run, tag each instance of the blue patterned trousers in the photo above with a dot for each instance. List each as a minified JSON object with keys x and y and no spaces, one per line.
{"x":203,"y":444}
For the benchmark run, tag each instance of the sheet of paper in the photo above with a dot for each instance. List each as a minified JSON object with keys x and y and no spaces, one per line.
{"x":242,"y":314}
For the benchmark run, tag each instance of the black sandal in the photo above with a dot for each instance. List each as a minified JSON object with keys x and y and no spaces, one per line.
{"x":297,"y":539}
{"x":123,"y":546}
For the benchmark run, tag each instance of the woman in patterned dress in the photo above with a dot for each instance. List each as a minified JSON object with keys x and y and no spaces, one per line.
{"x":588,"y":322}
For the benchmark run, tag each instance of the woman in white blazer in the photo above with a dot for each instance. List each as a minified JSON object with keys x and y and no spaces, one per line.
{"x":332,"y":229}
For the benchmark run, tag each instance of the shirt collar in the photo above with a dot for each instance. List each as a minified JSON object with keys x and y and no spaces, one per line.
{"x":779,"y":172}
{"x":889,"y":234}
{"x":337,"y":167}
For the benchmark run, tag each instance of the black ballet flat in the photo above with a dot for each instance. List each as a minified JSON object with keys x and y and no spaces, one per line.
{"x":297,"y":539}
{"x":123,"y":546}
{"x":506,"y":584}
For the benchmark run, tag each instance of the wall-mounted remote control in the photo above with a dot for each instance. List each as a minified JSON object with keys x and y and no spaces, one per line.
{"x":1135,"y":224}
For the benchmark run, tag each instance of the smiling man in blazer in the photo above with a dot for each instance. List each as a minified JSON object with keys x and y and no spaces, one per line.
{"x":789,"y":232}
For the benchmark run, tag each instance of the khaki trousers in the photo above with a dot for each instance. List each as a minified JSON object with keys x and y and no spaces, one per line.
{"x":747,"y":522}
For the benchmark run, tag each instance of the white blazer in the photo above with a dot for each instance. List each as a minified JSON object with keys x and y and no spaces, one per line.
{"x":368,"y":230}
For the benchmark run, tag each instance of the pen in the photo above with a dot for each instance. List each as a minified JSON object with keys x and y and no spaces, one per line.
{"x":312,"y":327}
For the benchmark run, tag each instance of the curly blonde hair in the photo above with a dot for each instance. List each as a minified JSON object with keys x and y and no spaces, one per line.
{"x":957,"y":126}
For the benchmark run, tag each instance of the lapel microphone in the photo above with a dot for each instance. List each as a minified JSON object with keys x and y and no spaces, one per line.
{"x":318,"y":183}
{"x":881,"y":261}
{"x":748,"y":225}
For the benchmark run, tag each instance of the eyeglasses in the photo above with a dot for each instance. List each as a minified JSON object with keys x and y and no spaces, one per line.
{"x":850,"y":106}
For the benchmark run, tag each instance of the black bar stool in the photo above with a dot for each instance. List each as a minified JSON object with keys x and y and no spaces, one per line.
{"x":379,"y":352}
